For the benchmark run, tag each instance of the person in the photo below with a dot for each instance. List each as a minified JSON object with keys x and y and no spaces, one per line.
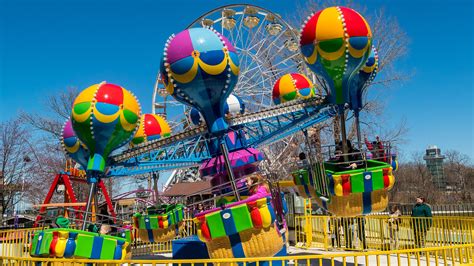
{"x":353,"y":156}
{"x":393,"y":226}
{"x":361,"y":231}
{"x":199,"y":209}
{"x":257,"y":185}
{"x":303,"y":161}
{"x":421,"y":221}
{"x":334,"y":230}
{"x":348,"y":225}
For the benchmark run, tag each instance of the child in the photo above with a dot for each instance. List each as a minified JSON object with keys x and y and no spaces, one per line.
{"x":257,"y":185}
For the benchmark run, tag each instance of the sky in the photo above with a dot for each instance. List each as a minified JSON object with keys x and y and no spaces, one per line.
{"x":50,"y":45}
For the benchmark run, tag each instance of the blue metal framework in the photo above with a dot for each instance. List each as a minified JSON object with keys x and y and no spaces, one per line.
{"x":191,"y":148}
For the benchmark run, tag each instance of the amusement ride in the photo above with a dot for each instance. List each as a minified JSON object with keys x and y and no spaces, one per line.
{"x":244,"y":80}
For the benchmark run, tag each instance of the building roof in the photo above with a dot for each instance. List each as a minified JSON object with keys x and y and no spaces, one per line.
{"x":189,"y":188}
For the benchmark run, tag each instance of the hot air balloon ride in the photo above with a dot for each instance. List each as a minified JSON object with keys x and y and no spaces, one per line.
{"x":292,"y":86}
{"x":335,"y":42}
{"x":104,"y":117}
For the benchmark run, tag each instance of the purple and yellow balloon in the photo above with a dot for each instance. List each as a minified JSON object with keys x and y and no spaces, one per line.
{"x":104,"y":117}
{"x":335,"y":43}
{"x":73,"y":146}
{"x":200,"y":68}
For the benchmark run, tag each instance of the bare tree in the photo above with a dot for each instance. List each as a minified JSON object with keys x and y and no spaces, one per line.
{"x":14,"y":163}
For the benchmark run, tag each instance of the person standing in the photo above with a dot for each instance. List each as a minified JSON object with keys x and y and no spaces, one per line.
{"x":393,"y":226}
{"x":421,"y":221}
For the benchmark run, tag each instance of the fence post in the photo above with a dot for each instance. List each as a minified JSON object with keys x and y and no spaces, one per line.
{"x":325,"y":232}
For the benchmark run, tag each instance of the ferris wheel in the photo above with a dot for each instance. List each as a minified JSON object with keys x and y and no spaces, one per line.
{"x":268,"y":49}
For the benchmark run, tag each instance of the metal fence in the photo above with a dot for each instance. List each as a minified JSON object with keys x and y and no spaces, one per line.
{"x":381,"y":233}
{"x":448,"y":255}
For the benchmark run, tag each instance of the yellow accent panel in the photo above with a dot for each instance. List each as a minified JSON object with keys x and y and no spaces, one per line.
{"x":188,"y":76}
{"x":141,"y":128}
{"x":337,"y":185}
{"x":81,"y":117}
{"x":329,"y":26}
{"x":286,"y":85}
{"x":127,"y":126}
{"x":264,"y":212}
{"x":214,"y":69}
{"x":334,"y":55}
{"x":130,"y":102}
{"x":165,"y":221}
{"x":105,"y":118}
{"x":61,"y":244}
{"x":235,"y":69}
{"x":165,"y":127}
{"x":74,"y":148}
{"x":313,"y":57}
{"x":87,"y":95}
{"x":359,"y":53}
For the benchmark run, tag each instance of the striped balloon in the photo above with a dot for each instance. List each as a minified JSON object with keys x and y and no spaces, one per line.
{"x":151,"y":127}
{"x":292,"y":86}
{"x":73,"y":146}
{"x":200,"y":68}
{"x":362,"y":80}
{"x":104,"y":117}
{"x":335,"y":43}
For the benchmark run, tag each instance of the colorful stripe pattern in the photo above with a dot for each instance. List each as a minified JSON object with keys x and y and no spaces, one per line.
{"x":150,"y":226}
{"x":335,"y":43}
{"x":257,"y":213}
{"x":363,"y":181}
{"x":200,"y":68}
{"x":305,"y":183}
{"x":104,"y":117}
{"x":292,"y":86}
{"x":67,"y":243}
{"x":151,"y":127}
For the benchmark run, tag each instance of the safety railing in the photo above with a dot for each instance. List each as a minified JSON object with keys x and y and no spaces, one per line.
{"x":382,"y":232}
{"x":16,"y":243}
{"x":448,"y":255}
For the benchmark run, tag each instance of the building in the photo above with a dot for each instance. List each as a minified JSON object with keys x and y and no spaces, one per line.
{"x":434,"y":162}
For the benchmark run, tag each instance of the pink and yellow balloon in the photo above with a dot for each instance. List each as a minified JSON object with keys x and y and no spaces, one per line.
{"x":104,"y":117}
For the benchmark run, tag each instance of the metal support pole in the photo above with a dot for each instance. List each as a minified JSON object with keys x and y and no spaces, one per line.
{"x":344,"y":135}
{"x":156,"y":176}
{"x":96,"y":204}
{"x":88,"y":206}
{"x":359,"y":138}
{"x":230,"y":173}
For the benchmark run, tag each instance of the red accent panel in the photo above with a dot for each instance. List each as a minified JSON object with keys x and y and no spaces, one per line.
{"x":151,"y":126}
{"x":110,"y":93}
{"x":206,"y":233}
{"x":52,"y":246}
{"x":300,"y":81}
{"x":346,"y":184}
{"x":160,"y":222}
{"x":386,"y":179}
{"x":308,"y":34}
{"x":255,"y":214}
{"x":354,"y":22}
{"x":276,"y":89}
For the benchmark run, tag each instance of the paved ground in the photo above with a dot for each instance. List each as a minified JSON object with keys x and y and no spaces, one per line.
{"x":350,"y":261}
